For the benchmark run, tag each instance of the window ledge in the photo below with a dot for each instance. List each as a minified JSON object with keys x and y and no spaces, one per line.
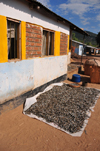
{"x":47,"y":56}
{"x":41,"y":57}
{"x":13,"y":60}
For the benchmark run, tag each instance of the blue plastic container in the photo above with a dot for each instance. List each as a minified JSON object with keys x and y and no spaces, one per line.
{"x":76,"y":78}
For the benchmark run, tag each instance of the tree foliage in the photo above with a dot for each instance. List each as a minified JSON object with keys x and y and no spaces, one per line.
{"x":98,"y":39}
{"x":89,"y":43}
{"x":89,"y":40}
{"x":74,"y":38}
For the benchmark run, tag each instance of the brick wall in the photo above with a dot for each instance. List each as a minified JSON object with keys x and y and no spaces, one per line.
{"x":33,"y":41}
{"x":63,"y":44}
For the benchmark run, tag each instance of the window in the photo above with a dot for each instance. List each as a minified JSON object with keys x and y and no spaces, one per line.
{"x":48,"y":43}
{"x":13,"y":39}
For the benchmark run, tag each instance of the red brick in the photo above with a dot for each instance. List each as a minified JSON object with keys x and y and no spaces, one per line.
{"x":35,"y":44}
{"x":37,"y":48}
{"x":31,"y":52}
{"x":28,"y":39}
{"x":27,"y":43}
{"x":27,"y":25}
{"x":36,"y":27}
{"x":33,"y":41}
{"x":63,"y":36}
{"x":38,"y":44}
{"x":32,"y":56}
{"x":31,"y":26}
{"x":63,"y":40}
{"x":63,"y":43}
{"x":32,"y":44}
{"x":33,"y":48}
{"x":38,"y":52}
{"x":63,"y":53}
{"x":27,"y":34}
{"x":29,"y":48}
{"x":37,"y":31}
{"x":39,"y":36}
{"x":29,"y":56}
{"x":37,"y":40}
{"x":62,"y":48}
{"x":29,"y":30}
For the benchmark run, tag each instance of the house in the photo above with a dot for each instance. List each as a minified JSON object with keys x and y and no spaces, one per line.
{"x":34,"y":49}
{"x":76,"y":46}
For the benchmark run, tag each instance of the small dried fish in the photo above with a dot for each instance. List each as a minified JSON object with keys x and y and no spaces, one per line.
{"x":65,"y":106}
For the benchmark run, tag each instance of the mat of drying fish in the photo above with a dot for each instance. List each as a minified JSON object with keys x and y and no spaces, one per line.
{"x":63,"y":107}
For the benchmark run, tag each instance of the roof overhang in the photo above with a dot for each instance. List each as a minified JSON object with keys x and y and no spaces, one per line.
{"x":37,"y":5}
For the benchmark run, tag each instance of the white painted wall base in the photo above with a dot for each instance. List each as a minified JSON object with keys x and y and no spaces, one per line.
{"x":19,"y":77}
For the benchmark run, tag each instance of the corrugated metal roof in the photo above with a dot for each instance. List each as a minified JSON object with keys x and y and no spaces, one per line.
{"x":84,"y":44}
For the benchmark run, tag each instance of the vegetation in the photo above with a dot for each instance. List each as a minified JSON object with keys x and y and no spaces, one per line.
{"x":74,"y":38}
{"x":98,"y":39}
{"x":89,"y":40}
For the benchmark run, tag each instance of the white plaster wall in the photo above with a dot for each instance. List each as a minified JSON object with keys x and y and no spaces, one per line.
{"x":15,"y":78}
{"x":20,"y":10}
{"x":69,"y":58}
{"x":19,"y":77}
{"x":49,"y":68}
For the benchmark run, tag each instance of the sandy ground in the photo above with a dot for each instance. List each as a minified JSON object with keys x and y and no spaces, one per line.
{"x":19,"y":132}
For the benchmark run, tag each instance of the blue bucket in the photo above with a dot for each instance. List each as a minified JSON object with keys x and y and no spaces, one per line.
{"x":76,"y":78}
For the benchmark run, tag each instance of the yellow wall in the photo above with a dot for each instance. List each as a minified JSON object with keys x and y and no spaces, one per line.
{"x":57,"y":44}
{"x":23,"y":39}
{"x":68,"y":45}
{"x":3,"y":40}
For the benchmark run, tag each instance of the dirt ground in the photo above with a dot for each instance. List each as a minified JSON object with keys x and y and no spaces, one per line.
{"x":19,"y":132}
{"x":78,"y":60}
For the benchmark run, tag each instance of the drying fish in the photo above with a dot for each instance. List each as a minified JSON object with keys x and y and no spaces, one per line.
{"x":65,"y":106}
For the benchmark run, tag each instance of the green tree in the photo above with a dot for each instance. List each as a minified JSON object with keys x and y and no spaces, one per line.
{"x":89,"y":43}
{"x":74,"y":38}
{"x":98,"y":39}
